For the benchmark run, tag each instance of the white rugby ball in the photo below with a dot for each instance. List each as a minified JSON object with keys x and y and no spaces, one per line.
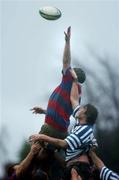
{"x":50,"y":13}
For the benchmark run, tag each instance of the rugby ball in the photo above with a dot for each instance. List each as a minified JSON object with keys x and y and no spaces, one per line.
{"x":50,"y":13}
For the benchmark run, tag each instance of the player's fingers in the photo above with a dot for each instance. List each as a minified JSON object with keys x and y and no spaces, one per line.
{"x":65,"y":33}
{"x":69,"y":29}
{"x":30,"y":139}
{"x":35,"y":112}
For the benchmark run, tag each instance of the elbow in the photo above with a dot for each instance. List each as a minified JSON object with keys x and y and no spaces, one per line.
{"x":18,"y":171}
{"x":63,"y":144}
{"x":74,"y":102}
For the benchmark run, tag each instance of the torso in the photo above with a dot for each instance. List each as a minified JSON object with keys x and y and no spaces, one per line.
{"x":59,"y":106}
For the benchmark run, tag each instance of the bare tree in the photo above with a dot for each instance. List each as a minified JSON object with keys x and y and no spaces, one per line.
{"x":101,"y":89}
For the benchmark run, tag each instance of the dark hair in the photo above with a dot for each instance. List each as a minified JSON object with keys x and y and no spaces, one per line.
{"x":39,"y":174}
{"x":80,"y":74}
{"x":82,"y":168}
{"x":95,"y":175}
{"x":91,"y":113}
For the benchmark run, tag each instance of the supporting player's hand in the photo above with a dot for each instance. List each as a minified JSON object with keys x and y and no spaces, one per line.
{"x":35,"y":148}
{"x":38,"y":110}
{"x":68,"y":34}
{"x":34,"y":138}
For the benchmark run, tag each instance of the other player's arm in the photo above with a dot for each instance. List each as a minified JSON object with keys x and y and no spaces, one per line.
{"x":67,"y":53}
{"x":54,"y":141}
{"x":105,"y":173}
{"x":96,"y":160}
{"x":38,"y":110}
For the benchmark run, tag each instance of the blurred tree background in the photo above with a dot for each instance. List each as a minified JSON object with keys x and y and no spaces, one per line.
{"x":101,"y":89}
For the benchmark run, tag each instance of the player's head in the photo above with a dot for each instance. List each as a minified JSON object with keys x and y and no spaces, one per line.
{"x":91,"y":113}
{"x":82,"y":169}
{"x":80,"y":74}
{"x":87,"y":112}
{"x":39,"y":174}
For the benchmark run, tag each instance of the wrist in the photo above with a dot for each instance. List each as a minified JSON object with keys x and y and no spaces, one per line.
{"x":45,"y":111}
{"x":76,"y":80}
{"x":31,"y":154}
{"x":67,"y":41}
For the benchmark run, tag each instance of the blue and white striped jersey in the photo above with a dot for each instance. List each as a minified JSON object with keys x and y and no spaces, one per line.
{"x":79,"y":141}
{"x":107,"y":174}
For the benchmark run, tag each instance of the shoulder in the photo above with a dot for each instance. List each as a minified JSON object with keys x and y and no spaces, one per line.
{"x":83,"y":133}
{"x":82,"y":129}
{"x":76,"y":109}
{"x":66,"y":70}
{"x":73,"y":141}
{"x":78,"y":136}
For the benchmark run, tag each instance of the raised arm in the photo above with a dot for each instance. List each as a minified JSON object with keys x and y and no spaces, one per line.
{"x":96,"y":160}
{"x":54,"y":141}
{"x":67,"y":53}
{"x":105,"y":173}
{"x":74,"y":96}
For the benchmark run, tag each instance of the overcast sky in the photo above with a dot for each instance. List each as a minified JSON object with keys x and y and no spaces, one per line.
{"x":32,"y":49}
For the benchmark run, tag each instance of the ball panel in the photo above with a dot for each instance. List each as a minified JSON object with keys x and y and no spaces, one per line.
{"x":50,"y":10}
{"x":49,"y":17}
{"x":50,"y":13}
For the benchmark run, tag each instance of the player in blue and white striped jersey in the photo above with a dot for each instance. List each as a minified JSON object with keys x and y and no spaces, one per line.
{"x":82,"y":137}
{"x":105,"y":173}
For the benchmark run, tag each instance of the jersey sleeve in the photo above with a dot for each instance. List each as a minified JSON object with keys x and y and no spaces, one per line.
{"x":80,"y":137}
{"x":73,"y":141}
{"x":75,"y":111}
{"x":107,"y":174}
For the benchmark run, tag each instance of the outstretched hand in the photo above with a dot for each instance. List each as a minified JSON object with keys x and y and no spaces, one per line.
{"x":38,"y":110}
{"x":68,"y":34}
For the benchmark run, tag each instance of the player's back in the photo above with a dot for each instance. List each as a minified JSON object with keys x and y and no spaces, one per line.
{"x":59,"y":106}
